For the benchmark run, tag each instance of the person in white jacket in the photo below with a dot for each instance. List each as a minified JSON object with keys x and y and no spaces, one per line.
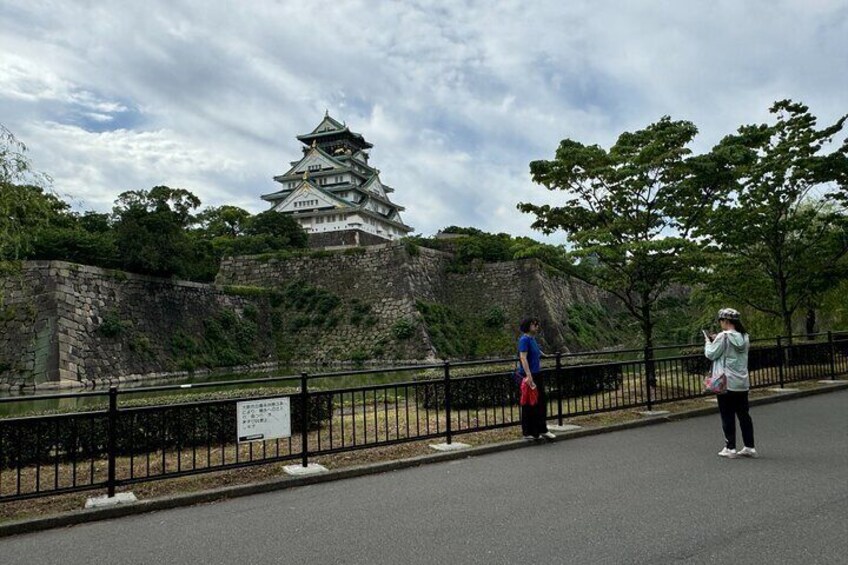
{"x":729,"y":353}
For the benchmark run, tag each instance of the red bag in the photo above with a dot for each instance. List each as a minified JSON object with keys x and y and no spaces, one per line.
{"x":529,"y":396}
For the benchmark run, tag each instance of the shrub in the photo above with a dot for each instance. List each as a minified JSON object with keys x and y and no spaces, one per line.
{"x":359,"y":312}
{"x":140,"y":431}
{"x":694,"y":361}
{"x":479,"y":391}
{"x":403,"y":328}
{"x":494,"y":317}
{"x":112,"y":325}
{"x":359,"y":357}
{"x":589,"y":379}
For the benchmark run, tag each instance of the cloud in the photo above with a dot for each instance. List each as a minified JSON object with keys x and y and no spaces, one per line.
{"x":457,"y":97}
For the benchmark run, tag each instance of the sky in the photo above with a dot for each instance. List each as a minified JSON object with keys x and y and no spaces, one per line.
{"x":457,"y":97}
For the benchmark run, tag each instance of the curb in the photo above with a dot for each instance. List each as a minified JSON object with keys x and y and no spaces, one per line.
{"x":92,"y":515}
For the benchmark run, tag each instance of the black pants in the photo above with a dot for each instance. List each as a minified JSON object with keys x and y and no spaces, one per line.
{"x":732,"y":405}
{"x":534,"y":420}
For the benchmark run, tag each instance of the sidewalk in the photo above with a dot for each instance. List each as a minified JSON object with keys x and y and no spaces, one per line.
{"x":82,"y":516}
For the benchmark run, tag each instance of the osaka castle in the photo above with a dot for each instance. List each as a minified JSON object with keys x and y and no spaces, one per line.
{"x":335,"y":194}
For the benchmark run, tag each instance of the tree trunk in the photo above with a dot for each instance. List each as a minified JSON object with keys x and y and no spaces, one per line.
{"x":811,"y":323}
{"x":648,"y":334}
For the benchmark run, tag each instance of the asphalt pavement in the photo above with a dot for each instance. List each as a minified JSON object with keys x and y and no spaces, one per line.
{"x":656,"y":494}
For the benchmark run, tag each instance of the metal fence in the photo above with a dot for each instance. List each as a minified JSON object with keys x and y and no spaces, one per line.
{"x":124,"y":443}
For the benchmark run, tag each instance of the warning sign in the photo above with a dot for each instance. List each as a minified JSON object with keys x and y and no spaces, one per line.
{"x":259,"y":420}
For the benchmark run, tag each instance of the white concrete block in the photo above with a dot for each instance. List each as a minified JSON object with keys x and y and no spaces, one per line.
{"x":563,"y":428}
{"x":300,"y":470}
{"x":449,"y":446}
{"x":104,"y":501}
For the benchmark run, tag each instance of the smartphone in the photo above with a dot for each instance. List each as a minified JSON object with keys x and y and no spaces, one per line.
{"x":706,"y":335}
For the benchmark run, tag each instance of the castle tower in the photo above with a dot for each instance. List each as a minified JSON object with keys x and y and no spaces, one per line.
{"x":335,"y":195}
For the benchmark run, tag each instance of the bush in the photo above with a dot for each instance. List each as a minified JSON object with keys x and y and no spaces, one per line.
{"x":694,"y":361}
{"x":112,"y":325}
{"x":403,"y":328}
{"x":174,"y":426}
{"x":590,"y":379}
{"x":488,"y":390}
{"x":494,"y":317}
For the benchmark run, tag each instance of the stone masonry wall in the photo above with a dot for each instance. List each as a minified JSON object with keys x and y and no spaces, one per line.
{"x":28,"y":319}
{"x":71,"y":323}
{"x":519,"y":289}
{"x":385,"y":278}
{"x":73,"y":305}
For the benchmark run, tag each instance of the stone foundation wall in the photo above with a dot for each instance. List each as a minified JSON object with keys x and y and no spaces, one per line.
{"x":344,"y":238}
{"x":28,"y":321}
{"x":71,"y":323}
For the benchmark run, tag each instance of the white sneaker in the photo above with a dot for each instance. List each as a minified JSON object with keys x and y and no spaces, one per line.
{"x":748,"y":452}
{"x":729,"y":453}
{"x":528,"y":437}
{"x":549,"y":435}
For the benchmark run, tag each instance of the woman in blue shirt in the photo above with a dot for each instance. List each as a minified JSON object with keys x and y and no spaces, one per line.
{"x":534,"y":423}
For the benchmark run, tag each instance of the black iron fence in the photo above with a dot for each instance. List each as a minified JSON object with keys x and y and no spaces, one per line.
{"x":125,"y":443}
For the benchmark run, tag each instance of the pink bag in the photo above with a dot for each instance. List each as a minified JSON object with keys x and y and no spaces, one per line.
{"x":716,"y":384}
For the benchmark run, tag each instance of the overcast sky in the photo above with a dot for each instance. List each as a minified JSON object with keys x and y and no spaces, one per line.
{"x":456,"y":96}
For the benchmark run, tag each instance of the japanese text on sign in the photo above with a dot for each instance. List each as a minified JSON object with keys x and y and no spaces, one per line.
{"x":259,"y":420}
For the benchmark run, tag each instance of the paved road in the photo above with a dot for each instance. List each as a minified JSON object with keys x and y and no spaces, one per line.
{"x":650,"y":495}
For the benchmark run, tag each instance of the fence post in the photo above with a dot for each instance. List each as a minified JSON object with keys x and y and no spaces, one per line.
{"x":650,"y":379}
{"x":781,"y":358}
{"x":559,"y":386}
{"x":304,"y":420}
{"x":448,"y":428}
{"x":112,"y":431}
{"x":832,"y":355}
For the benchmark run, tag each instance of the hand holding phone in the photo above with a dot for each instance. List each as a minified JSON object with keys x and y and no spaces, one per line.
{"x":706,"y":335}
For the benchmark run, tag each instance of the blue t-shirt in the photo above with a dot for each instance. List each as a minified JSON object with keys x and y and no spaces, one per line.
{"x":527,"y":343}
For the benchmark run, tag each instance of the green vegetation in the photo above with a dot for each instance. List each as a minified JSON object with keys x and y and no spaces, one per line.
{"x":476,"y":247}
{"x":457,"y":336}
{"x":591,"y":326}
{"x":777,"y":246}
{"x":403,"y":329}
{"x":113,"y":326}
{"x":180,"y":427}
{"x":227,"y":340}
{"x":760,"y":219}
{"x":153,"y":232}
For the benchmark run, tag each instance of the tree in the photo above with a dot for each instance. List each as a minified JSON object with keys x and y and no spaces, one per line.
{"x":25,"y":198}
{"x":628,"y":212}
{"x":151,"y":230}
{"x":283,"y":230}
{"x":780,"y":236}
{"x":223,"y":221}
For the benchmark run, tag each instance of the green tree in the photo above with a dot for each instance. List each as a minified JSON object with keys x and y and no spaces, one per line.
{"x":779,"y":236}
{"x":223,"y":221}
{"x":282,"y":230}
{"x":26,"y":201}
{"x":628,"y":212}
{"x":151,"y":230}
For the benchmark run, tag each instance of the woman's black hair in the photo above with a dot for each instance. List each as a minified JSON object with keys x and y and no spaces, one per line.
{"x":524,"y":326}
{"x":737,"y":325}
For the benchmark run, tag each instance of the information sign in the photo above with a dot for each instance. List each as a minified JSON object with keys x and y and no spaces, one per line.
{"x":266,"y":418}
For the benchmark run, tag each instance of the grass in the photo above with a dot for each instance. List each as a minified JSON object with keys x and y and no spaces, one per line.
{"x":358,"y":419}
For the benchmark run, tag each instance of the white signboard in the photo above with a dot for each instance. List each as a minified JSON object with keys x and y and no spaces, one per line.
{"x":267,"y":418}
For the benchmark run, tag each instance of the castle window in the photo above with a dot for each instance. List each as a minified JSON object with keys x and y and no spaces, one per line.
{"x":313,"y":168}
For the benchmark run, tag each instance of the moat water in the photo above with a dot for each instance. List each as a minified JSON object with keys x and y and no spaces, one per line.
{"x":77,"y":400}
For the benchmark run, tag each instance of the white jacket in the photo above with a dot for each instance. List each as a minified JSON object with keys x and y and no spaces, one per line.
{"x":729,"y":354}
